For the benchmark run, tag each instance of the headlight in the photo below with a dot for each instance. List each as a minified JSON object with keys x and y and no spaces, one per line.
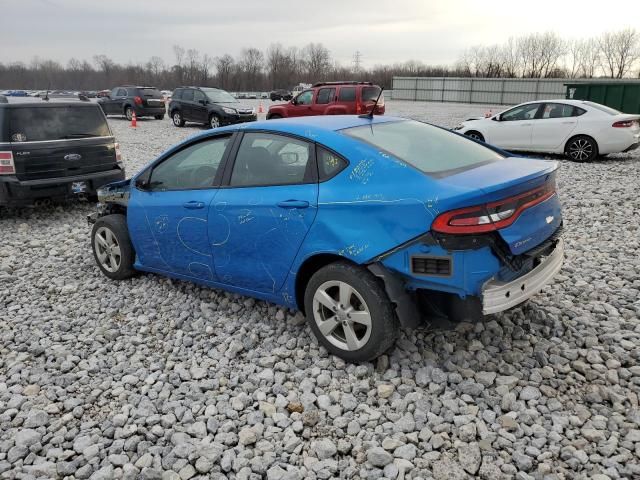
{"x":229,"y":110}
{"x":253,"y":111}
{"x":460,"y":126}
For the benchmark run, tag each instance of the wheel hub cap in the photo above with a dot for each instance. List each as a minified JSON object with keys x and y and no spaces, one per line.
{"x":107,"y":249}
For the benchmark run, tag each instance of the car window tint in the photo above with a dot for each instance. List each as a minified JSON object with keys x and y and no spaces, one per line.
{"x":305,"y":98}
{"x":198,"y":95}
{"x":370,"y":94}
{"x":55,"y":123}
{"x":177,"y":95}
{"x":577,"y":111}
{"x":329,"y":164}
{"x":347,"y":94}
{"x":268,"y":159}
{"x":325,"y":95}
{"x":191,"y":168}
{"x":114,"y":92}
{"x":557,"y":110}
{"x":122,"y":92}
{"x":431,"y":149}
{"x":523,"y":112}
{"x":187,"y":95}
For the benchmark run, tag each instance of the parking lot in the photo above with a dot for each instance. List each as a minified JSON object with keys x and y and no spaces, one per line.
{"x":170,"y":380}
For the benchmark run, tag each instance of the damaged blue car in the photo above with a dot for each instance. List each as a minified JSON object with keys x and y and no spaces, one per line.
{"x":364,"y":224}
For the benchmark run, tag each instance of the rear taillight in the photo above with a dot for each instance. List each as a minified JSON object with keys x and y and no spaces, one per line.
{"x":118,"y":154}
{"x":7,"y":167}
{"x":491,"y":216}
{"x":138,"y":100}
{"x":625,"y":124}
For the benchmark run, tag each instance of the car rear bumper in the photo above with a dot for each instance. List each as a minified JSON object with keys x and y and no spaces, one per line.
{"x":632,"y":147}
{"x":499,"y":296}
{"x":15,"y":192}
{"x":150,"y":111}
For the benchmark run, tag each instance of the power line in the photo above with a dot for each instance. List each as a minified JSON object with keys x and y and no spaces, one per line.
{"x":357,"y":60}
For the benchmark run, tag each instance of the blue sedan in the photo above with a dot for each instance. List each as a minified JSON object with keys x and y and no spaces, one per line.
{"x":364,"y":224}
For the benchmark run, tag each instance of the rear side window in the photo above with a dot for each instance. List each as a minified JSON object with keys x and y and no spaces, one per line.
{"x":430,"y":149}
{"x":370,"y":94}
{"x":56,"y":123}
{"x":325,"y":95}
{"x":329,"y":164}
{"x":187,"y":95}
{"x":347,"y":94}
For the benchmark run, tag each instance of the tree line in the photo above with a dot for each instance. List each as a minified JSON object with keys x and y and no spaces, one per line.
{"x":537,"y":55}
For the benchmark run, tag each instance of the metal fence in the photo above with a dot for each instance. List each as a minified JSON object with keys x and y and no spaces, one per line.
{"x":492,"y":91}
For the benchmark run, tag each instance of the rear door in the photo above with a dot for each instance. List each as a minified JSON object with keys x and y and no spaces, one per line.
{"x":60,"y":141}
{"x":514,"y":130}
{"x":187,"y":104}
{"x":261,"y":217}
{"x":168,"y":216}
{"x":199,"y":107}
{"x":556,"y":123}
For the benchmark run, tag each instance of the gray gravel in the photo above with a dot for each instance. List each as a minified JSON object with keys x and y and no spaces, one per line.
{"x":158,"y":379}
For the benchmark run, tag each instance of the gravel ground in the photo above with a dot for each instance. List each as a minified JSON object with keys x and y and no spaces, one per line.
{"x":158,"y":379}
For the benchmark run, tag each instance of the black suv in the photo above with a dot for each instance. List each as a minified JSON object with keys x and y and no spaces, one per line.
{"x":51,"y":150}
{"x":210,"y":106}
{"x":280,"y":95}
{"x":145,"y":101}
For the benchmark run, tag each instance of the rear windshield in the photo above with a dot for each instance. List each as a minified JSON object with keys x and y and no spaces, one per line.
{"x":370,"y":94}
{"x":433,"y":150}
{"x":55,"y":123}
{"x":603,"y":108}
{"x":150,"y":92}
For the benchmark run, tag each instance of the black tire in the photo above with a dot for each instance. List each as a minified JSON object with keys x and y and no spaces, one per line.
{"x":581,"y":148}
{"x":117,"y":226}
{"x":274,"y":116}
{"x":369,"y":295}
{"x":177,"y":118}
{"x":214,"y":121}
{"x":159,"y":117}
{"x":128,"y":113}
{"x":475,"y":135}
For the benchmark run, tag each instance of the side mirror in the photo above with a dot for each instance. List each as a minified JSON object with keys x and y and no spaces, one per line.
{"x":202,"y":102}
{"x":497,"y":118}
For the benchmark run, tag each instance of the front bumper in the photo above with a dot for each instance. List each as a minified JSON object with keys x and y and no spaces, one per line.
{"x":15,"y":192}
{"x":231,"y":119}
{"x":499,"y":296}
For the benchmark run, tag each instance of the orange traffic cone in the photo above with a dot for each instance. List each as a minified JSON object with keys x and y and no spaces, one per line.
{"x":134,"y":121}
{"x":260,"y":109}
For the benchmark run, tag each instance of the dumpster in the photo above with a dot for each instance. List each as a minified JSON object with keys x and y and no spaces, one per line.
{"x":621,"y":95}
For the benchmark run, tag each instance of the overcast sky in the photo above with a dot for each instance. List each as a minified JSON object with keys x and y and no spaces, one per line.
{"x":384,"y":31}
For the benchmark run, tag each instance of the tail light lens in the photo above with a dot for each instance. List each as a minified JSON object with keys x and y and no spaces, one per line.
{"x":491,"y":216}
{"x":7,"y":167}
{"x":138,"y":100}
{"x":118,"y":154}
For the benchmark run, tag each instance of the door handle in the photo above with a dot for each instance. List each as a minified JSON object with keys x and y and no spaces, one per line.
{"x":193,"y":205}
{"x":568,"y":123}
{"x":526,"y":125}
{"x":293,"y":204}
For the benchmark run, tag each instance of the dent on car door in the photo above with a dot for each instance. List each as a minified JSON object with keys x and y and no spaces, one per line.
{"x":168,"y":213}
{"x":259,"y":220}
{"x":555,"y":124}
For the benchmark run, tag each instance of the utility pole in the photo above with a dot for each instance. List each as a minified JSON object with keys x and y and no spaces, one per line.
{"x":357,"y":61}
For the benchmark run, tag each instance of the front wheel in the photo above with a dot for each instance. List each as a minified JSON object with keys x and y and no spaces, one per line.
{"x":475,"y":135}
{"x":112,"y":247}
{"x":275,"y":116}
{"x":350,"y":313}
{"x":214,"y":121}
{"x":581,"y":149}
{"x":178,"y":121}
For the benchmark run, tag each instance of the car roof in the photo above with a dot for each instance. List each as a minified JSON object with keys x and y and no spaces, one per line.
{"x":51,"y":103}
{"x":566,"y":101}
{"x":314,"y":124}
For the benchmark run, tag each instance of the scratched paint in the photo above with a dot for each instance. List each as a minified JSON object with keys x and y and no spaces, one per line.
{"x":362,"y":172}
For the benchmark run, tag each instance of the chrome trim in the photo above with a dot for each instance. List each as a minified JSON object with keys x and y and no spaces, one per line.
{"x":32,"y":142}
{"x":499,"y":296}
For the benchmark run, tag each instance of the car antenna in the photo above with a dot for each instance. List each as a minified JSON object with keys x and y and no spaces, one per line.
{"x":370,"y":114}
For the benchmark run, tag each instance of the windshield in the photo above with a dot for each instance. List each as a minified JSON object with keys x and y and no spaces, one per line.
{"x":219,"y":96}
{"x":432,"y":150}
{"x":56,"y":123}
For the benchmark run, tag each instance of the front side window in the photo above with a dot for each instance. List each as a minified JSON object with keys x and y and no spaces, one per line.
{"x":523,"y":112}
{"x":198,"y":96}
{"x":325,"y":95}
{"x":187,"y":95}
{"x":114,"y":92}
{"x":347,"y":94}
{"x":122,"y":92}
{"x":191,"y":168}
{"x":432,"y":150}
{"x":269,"y":159}
{"x":305,"y":98}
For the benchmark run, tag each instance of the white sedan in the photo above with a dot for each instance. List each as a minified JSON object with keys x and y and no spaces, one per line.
{"x":580,"y":129}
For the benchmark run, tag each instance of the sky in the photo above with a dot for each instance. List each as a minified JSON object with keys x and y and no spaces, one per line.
{"x":383,"y":31}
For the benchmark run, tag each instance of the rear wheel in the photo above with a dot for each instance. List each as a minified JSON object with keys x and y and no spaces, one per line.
{"x":112,"y":247}
{"x":350,"y":313}
{"x":475,"y":135}
{"x":128,"y":113}
{"x":178,"y":121}
{"x":581,"y":149}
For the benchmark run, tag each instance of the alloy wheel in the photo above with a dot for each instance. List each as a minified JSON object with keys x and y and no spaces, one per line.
{"x":177,"y":120}
{"x":580,"y":149}
{"x":342,"y":316}
{"x":107,"y":249}
{"x":214,"y":121}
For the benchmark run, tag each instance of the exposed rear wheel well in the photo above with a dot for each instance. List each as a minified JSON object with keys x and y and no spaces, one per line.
{"x":308,"y":268}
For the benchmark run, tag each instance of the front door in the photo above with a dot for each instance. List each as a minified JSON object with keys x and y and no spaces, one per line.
{"x":258,"y":221}
{"x":554,"y":127}
{"x":514,"y":129}
{"x":187,"y":105}
{"x":301,"y":106}
{"x":199,"y":107}
{"x":168,"y":216}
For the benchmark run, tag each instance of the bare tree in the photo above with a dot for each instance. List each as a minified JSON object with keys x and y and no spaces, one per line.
{"x":224,"y":67}
{"x":317,"y":60}
{"x":251,"y":63}
{"x":620,"y":50}
{"x":511,"y":59}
